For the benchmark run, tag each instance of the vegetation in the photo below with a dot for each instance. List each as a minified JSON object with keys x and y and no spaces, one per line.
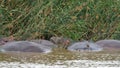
{"x":76,"y":19}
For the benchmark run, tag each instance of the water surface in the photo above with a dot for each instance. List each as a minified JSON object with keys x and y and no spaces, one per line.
{"x":60,"y":58}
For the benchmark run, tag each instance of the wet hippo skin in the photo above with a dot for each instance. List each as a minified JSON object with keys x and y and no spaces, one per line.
{"x":45,"y":43}
{"x":84,"y":46}
{"x":109,"y":44}
{"x":25,"y":46}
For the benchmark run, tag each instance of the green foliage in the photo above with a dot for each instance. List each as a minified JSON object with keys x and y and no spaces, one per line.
{"x":76,"y":19}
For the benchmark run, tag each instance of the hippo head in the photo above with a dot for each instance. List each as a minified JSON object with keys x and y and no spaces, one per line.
{"x":6,"y":39}
{"x":63,"y":42}
{"x":3,"y":41}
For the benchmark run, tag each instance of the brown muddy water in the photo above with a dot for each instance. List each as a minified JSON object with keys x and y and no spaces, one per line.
{"x":60,"y":58}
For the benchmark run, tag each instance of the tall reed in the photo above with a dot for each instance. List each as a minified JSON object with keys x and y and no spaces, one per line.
{"x":76,"y":19}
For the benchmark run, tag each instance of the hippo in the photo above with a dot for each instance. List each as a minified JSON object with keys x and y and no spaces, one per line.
{"x":25,"y":46}
{"x":2,"y":42}
{"x":109,"y":44}
{"x":60,"y":41}
{"x":84,"y":46}
{"x":5,"y":40}
{"x":45,"y":43}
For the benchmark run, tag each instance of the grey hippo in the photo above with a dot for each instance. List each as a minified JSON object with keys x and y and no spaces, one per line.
{"x":84,"y":46}
{"x":44,"y":42}
{"x":25,"y":46}
{"x":109,"y":45}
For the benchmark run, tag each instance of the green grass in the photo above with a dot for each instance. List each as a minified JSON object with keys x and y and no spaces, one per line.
{"x":76,"y":19}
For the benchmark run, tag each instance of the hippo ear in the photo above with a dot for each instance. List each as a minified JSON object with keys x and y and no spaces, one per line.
{"x":52,"y":39}
{"x":56,"y":40}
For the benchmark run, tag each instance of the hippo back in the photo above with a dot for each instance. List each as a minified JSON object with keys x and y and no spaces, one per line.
{"x":45,"y":43}
{"x":25,"y":46}
{"x":109,"y":44}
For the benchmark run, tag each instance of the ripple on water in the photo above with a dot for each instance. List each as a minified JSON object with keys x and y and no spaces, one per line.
{"x":60,"y":59}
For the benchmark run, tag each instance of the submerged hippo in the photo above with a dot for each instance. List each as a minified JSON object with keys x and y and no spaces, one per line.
{"x":25,"y":46}
{"x":84,"y":46}
{"x":109,"y":44}
{"x":45,"y":43}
